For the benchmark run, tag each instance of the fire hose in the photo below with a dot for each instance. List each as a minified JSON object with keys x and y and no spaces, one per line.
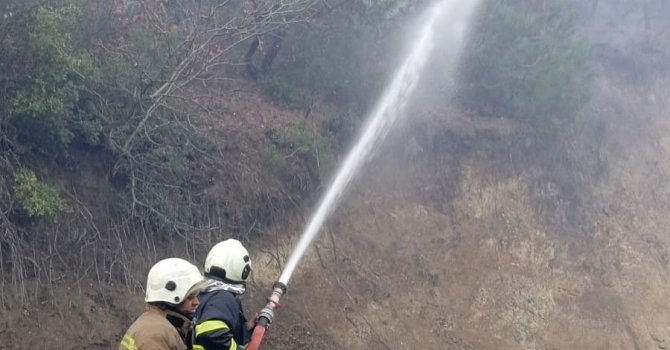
{"x":266,"y":316}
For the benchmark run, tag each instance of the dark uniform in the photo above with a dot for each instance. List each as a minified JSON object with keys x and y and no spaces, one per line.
{"x":220,"y":322}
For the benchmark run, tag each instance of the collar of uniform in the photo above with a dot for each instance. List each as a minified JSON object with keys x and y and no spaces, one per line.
{"x":179,"y":321}
{"x":215,"y":284}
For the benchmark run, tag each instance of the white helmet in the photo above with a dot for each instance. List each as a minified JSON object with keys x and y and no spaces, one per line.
{"x":229,"y":261}
{"x":172,"y":280}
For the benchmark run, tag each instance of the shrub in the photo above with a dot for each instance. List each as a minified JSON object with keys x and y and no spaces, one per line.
{"x":345,"y":56}
{"x":297,"y":141}
{"x":38,"y":200}
{"x":272,"y":159}
{"x":51,"y":110}
{"x":525,"y":61}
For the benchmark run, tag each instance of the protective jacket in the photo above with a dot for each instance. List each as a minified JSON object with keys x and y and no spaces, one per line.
{"x":158,"y":329}
{"x":220,"y":320}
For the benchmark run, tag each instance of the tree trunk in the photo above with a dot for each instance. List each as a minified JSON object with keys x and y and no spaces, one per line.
{"x":272,"y":53}
{"x":252,"y":71}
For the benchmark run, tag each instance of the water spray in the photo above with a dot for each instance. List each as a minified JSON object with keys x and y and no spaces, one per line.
{"x":381,"y":119}
{"x":383,"y":116}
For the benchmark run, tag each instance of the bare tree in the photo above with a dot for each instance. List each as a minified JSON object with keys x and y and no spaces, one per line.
{"x":189,"y":51}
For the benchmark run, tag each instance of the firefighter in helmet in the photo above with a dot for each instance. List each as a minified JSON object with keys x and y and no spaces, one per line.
{"x":220,"y":320}
{"x":173,"y":286}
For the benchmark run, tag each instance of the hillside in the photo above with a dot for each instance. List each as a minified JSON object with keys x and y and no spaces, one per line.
{"x":465,"y":231}
{"x":491,"y":249}
{"x":457,"y":236}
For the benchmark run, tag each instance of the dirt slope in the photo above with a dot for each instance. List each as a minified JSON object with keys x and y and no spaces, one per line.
{"x":460,"y":235}
{"x":464,"y":233}
{"x":454,"y":240}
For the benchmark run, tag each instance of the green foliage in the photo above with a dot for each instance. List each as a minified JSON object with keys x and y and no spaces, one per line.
{"x":343,"y":127}
{"x":154,"y":55}
{"x":297,"y":140}
{"x":52,"y":110}
{"x":38,"y":200}
{"x":287,"y":92}
{"x":297,"y":137}
{"x":342,"y":57}
{"x":300,"y":140}
{"x":272,"y":159}
{"x":170,"y":153}
{"x":525,"y":61}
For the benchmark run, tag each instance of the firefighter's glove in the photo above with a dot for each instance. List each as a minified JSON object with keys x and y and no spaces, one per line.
{"x":251,"y":324}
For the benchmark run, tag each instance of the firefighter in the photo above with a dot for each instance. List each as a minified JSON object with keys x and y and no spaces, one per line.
{"x":173,"y":286}
{"x":221,"y":323}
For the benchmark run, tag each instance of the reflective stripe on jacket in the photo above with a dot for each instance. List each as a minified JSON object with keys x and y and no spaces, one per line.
{"x":220,"y":322}
{"x":155,"y":329}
